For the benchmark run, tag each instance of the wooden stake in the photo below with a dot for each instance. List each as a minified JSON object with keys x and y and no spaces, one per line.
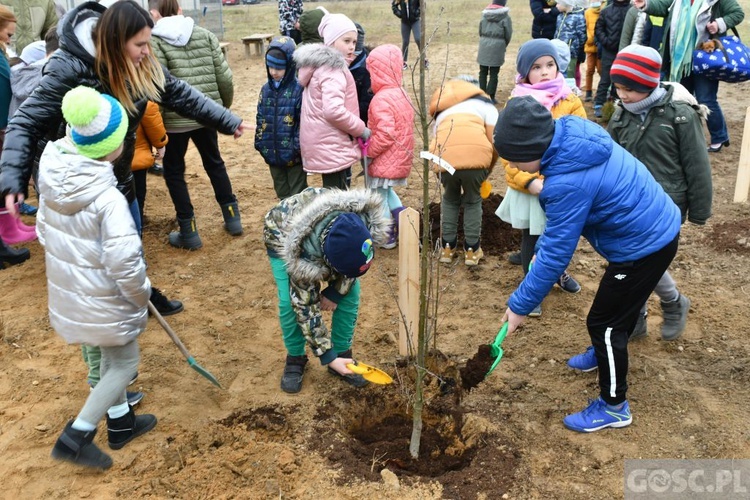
{"x":408,"y":278}
{"x":743,"y":170}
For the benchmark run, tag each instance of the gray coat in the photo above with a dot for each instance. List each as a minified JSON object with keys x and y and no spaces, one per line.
{"x":495,"y":31}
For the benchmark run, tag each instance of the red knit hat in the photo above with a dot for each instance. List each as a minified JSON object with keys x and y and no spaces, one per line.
{"x":637,"y":67}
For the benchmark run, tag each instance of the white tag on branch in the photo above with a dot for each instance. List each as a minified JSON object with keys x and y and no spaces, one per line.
{"x":426,"y":155}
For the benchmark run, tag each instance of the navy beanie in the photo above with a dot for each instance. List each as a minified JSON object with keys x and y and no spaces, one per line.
{"x":533,"y":50}
{"x":276,"y":58}
{"x":524,"y":130}
{"x":348,"y":246}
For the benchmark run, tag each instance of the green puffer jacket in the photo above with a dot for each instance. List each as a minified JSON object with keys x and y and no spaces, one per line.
{"x":34,"y":18}
{"x":670,"y":143}
{"x":193,"y":54}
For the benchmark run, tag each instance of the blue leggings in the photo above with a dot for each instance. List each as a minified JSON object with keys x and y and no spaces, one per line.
{"x":391,"y":198}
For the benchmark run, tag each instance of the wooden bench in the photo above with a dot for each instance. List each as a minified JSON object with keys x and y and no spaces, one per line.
{"x":259,"y":40}
{"x":224,"y":46}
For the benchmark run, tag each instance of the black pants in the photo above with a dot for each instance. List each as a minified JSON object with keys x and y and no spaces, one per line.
{"x":490,"y":87}
{"x":341,"y":179}
{"x":623,"y":290}
{"x":139,"y":176}
{"x":605,"y":89}
{"x":207,"y":142}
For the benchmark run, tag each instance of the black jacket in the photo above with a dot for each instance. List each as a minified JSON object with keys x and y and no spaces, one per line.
{"x":406,"y":10}
{"x":72,"y":65}
{"x":609,"y":25}
{"x":544,"y":24}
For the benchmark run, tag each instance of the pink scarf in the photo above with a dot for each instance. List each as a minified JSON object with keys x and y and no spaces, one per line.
{"x":547,"y":93}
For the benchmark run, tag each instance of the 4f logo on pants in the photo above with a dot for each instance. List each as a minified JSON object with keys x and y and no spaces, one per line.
{"x":620,"y":276}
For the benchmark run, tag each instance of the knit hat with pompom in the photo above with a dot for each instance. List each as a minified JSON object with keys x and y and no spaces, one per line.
{"x":97,"y":123}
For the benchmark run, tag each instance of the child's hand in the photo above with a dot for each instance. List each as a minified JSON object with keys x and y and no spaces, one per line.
{"x":514,"y":320}
{"x":160,"y":153}
{"x":327,"y":304}
{"x":535,"y":186}
{"x":339,"y":364}
{"x":244,"y":126}
{"x":366,"y":134}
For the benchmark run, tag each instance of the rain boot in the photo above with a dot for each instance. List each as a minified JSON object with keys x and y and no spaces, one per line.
{"x":294,"y":370}
{"x":187,"y":237}
{"x":11,"y":256}
{"x":232,"y":221}
{"x":122,"y":430}
{"x":77,"y":447}
{"x":10,"y":232}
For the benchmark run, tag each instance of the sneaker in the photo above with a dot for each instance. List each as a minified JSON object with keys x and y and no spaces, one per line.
{"x":354,"y":380}
{"x":641,"y":328}
{"x":132,"y":380}
{"x":27,"y":209}
{"x":392,"y":241}
{"x":515,"y":258}
{"x":568,"y":284}
{"x":134,"y":398}
{"x":473,"y":257}
{"x":675,"y":317}
{"x":599,"y":415}
{"x":447,"y":254}
{"x":156,"y":169}
{"x":585,"y":362}
{"x":294,"y":370}
{"x":162,"y":304}
{"x":598,"y":110}
{"x":405,"y":66}
{"x":536,"y":312}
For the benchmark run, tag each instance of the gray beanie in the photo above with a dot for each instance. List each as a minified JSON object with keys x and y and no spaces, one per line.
{"x":533,"y":50}
{"x":523,"y":130}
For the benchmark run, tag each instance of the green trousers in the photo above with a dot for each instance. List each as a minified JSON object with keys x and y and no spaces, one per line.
{"x":92,"y":356}
{"x":462,"y":189}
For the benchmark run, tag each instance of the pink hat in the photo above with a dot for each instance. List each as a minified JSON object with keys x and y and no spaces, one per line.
{"x":334,"y":26}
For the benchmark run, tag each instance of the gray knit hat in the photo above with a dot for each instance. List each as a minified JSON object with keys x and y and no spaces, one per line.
{"x":523,"y":130}
{"x":533,"y":50}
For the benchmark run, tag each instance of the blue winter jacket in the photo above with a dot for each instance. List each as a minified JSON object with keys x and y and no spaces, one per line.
{"x":278,"y":117}
{"x":571,"y":29}
{"x":595,"y":188}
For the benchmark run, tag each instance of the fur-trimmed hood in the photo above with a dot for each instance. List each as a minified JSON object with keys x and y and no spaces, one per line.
{"x":316,"y":55}
{"x":296,"y":229}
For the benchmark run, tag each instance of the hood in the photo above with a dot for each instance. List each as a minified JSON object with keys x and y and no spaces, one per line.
{"x":74,"y":30}
{"x":578,"y":144}
{"x":70,"y":182}
{"x":453,"y":92}
{"x":385,"y":64}
{"x":308,"y":25}
{"x":368,"y":204}
{"x":175,"y":30}
{"x":24,"y":78}
{"x":315,"y":55}
{"x":287,"y":45}
{"x":495,"y":13}
{"x":679,"y":93}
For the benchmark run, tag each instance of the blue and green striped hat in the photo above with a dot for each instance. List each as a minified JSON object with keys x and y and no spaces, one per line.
{"x":97,"y":123}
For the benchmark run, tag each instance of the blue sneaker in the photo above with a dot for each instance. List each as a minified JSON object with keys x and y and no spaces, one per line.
{"x":598,"y":110}
{"x":27,"y":209}
{"x":585,"y":362}
{"x":599,"y":415}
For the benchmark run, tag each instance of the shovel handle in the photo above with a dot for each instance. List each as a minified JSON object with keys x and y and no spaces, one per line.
{"x":168,"y":329}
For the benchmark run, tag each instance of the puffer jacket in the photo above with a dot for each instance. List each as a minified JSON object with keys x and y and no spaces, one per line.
{"x":519,"y":179}
{"x":596,"y":189}
{"x":406,"y":10}
{"x":295,"y":231}
{"x":73,"y":65}
{"x":670,"y":143}
{"x":571,"y":29}
{"x":495,"y":32}
{"x":609,"y":25}
{"x":96,"y":276}
{"x":591,"y":15}
{"x":193,"y":54}
{"x":330,"y":122}
{"x":33,"y":19}
{"x":391,"y":116}
{"x":544,"y":23}
{"x":149,"y":134}
{"x":463,"y":136}
{"x":363,"y":83}
{"x":278,"y":116}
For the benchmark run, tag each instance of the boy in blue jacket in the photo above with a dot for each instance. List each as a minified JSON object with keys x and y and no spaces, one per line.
{"x":277,"y":120}
{"x":596,"y":189}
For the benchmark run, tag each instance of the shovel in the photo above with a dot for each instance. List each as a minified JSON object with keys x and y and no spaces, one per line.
{"x":172,"y":335}
{"x":370,"y":373}
{"x":495,"y":350}
{"x":363,"y":145}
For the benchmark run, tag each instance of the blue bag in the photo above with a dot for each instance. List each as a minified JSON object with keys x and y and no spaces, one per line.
{"x":730,"y":63}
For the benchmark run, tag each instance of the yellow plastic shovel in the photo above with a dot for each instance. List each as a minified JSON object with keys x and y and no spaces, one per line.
{"x":370,"y":373}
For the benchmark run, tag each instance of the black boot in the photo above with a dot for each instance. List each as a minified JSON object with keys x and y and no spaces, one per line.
{"x":11,"y":256}
{"x":162,"y":304}
{"x":232,"y":220}
{"x":187,"y":237}
{"x":353,"y":379}
{"x":122,"y":430}
{"x":77,"y":447}
{"x":294,"y":369}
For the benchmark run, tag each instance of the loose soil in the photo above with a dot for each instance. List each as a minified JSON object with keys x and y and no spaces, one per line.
{"x":497,"y":437}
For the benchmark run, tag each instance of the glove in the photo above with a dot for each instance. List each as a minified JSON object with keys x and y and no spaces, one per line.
{"x":366,"y":134}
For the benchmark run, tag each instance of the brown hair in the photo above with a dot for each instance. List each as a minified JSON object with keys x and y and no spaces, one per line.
{"x":165,"y":8}
{"x":6,"y":17}
{"x":119,"y":23}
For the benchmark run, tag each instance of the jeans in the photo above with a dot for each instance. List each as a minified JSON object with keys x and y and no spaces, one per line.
{"x":705,"y":91}
{"x":406,"y":29}
{"x":207,"y":142}
{"x":490,"y":87}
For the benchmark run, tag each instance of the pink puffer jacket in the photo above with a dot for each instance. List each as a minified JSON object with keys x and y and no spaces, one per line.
{"x":391,"y":116}
{"x":329,"y":122}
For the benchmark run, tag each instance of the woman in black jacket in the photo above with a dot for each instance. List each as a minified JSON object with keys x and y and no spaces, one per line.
{"x":409,"y":13}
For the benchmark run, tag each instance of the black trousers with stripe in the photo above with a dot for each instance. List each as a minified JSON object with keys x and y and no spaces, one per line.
{"x":623,"y":290}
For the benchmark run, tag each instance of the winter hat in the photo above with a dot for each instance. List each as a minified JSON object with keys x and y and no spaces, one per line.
{"x":334,"y":26}
{"x":33,"y":52}
{"x":533,"y":50}
{"x":563,"y":54}
{"x":348,"y":245}
{"x":276,"y":58}
{"x":96,"y":122}
{"x":523,"y":130}
{"x":360,"y":39}
{"x":637,"y":67}
{"x":467,"y":78}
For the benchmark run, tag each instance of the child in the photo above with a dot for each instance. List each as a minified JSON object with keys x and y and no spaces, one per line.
{"x":391,"y":119}
{"x":563,"y":59}
{"x":464,"y":123}
{"x":329,"y":121}
{"x":149,"y":135}
{"x":571,"y":29}
{"x":322,"y":235}
{"x":539,"y":77}
{"x":495,"y":31}
{"x":607,"y":32}
{"x":592,"y":52}
{"x":665,"y":134}
{"x":358,"y":69}
{"x":278,"y":120}
{"x":96,"y":275}
{"x":596,"y":189}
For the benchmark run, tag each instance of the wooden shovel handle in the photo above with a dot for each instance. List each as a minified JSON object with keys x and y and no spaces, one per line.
{"x":168,"y":329}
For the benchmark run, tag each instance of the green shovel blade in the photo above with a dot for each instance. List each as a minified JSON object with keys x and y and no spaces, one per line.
{"x":207,"y":374}
{"x":495,"y":350}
